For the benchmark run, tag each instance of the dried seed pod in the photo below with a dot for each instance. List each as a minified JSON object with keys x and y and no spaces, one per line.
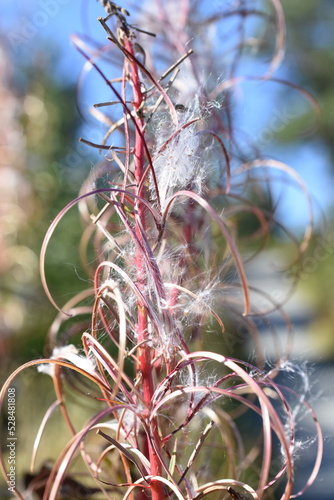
{"x":234,"y":494}
{"x":180,"y":107}
{"x":112,"y":8}
{"x":124,"y":11}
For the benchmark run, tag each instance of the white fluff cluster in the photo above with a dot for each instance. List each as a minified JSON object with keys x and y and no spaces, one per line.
{"x":178,"y":164}
{"x":67,"y":353}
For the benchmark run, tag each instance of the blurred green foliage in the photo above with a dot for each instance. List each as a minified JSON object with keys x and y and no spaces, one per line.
{"x":49,"y":123}
{"x":309,"y":60}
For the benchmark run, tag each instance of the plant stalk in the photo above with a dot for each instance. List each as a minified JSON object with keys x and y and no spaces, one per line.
{"x":144,"y":356}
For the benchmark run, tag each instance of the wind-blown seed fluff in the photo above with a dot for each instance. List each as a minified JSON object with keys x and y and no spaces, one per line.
{"x":178,"y":164}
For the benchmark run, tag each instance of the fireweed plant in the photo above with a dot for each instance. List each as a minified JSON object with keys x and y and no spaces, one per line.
{"x":161,"y":245}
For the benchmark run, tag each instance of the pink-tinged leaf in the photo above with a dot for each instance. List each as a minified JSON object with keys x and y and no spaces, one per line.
{"x":160,"y":479}
{"x":230,"y":241}
{"x":123,"y":450}
{"x":54,"y":225}
{"x":280,"y":39}
{"x":269,"y":163}
{"x":40,"y":432}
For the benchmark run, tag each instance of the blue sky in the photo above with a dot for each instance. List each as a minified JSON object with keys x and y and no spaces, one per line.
{"x":29,"y":24}
{"x":42,"y":23}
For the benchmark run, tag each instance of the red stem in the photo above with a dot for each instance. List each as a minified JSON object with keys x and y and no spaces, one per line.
{"x":144,"y":356}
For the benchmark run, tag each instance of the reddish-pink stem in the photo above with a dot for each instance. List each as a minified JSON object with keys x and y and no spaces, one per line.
{"x":144,"y":356}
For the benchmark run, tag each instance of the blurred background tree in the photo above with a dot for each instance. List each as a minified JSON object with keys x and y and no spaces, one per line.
{"x":309,"y":62}
{"x":41,"y":170}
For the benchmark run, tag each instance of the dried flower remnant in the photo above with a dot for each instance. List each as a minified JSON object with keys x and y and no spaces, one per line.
{"x":234,"y":494}
{"x":179,"y":160}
